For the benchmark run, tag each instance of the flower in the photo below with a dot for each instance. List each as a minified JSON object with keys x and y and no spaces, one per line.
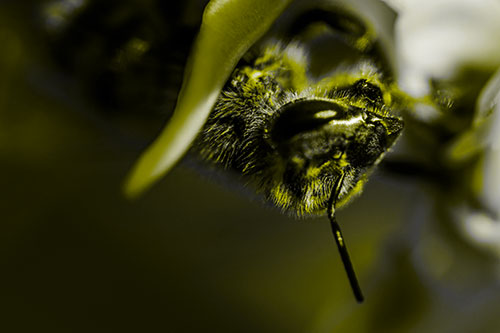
{"x":452,"y":41}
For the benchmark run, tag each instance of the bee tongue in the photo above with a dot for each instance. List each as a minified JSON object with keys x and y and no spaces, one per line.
{"x":341,"y":245}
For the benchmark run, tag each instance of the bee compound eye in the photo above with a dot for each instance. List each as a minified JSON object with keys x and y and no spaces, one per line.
{"x":304,"y":116}
{"x":368,"y":90}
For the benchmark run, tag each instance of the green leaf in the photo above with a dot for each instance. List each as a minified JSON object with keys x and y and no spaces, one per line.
{"x":228,"y":30}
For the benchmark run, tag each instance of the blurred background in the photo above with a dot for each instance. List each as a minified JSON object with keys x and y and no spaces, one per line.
{"x":192,"y":254}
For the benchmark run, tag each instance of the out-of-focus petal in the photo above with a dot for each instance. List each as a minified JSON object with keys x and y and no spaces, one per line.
{"x":488,"y":116}
{"x":483,"y":139}
{"x":435,"y":38}
{"x":481,"y":229}
{"x":228,"y":29}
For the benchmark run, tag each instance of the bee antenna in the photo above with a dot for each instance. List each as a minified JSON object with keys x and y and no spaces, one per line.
{"x":341,"y":245}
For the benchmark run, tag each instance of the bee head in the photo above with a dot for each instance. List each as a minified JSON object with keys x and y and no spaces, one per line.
{"x":317,"y":141}
{"x":292,"y":130}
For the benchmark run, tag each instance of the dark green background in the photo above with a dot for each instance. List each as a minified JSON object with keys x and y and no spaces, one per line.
{"x":193,"y":255}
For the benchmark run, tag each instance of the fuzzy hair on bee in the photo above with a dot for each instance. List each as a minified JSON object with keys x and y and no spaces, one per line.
{"x":292,"y":136}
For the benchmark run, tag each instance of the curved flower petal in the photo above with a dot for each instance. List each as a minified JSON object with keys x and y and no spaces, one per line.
{"x":228,"y":29}
{"x":482,"y":226}
{"x":489,"y":114}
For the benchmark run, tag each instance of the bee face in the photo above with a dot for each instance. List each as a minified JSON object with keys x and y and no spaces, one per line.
{"x":292,"y":136}
{"x":324,"y":141}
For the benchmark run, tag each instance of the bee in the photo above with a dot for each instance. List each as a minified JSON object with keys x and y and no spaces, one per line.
{"x":292,"y":138}
{"x":302,"y":126}
{"x":307,"y":143}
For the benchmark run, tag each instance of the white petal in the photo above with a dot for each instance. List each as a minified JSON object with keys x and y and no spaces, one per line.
{"x":435,"y":38}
